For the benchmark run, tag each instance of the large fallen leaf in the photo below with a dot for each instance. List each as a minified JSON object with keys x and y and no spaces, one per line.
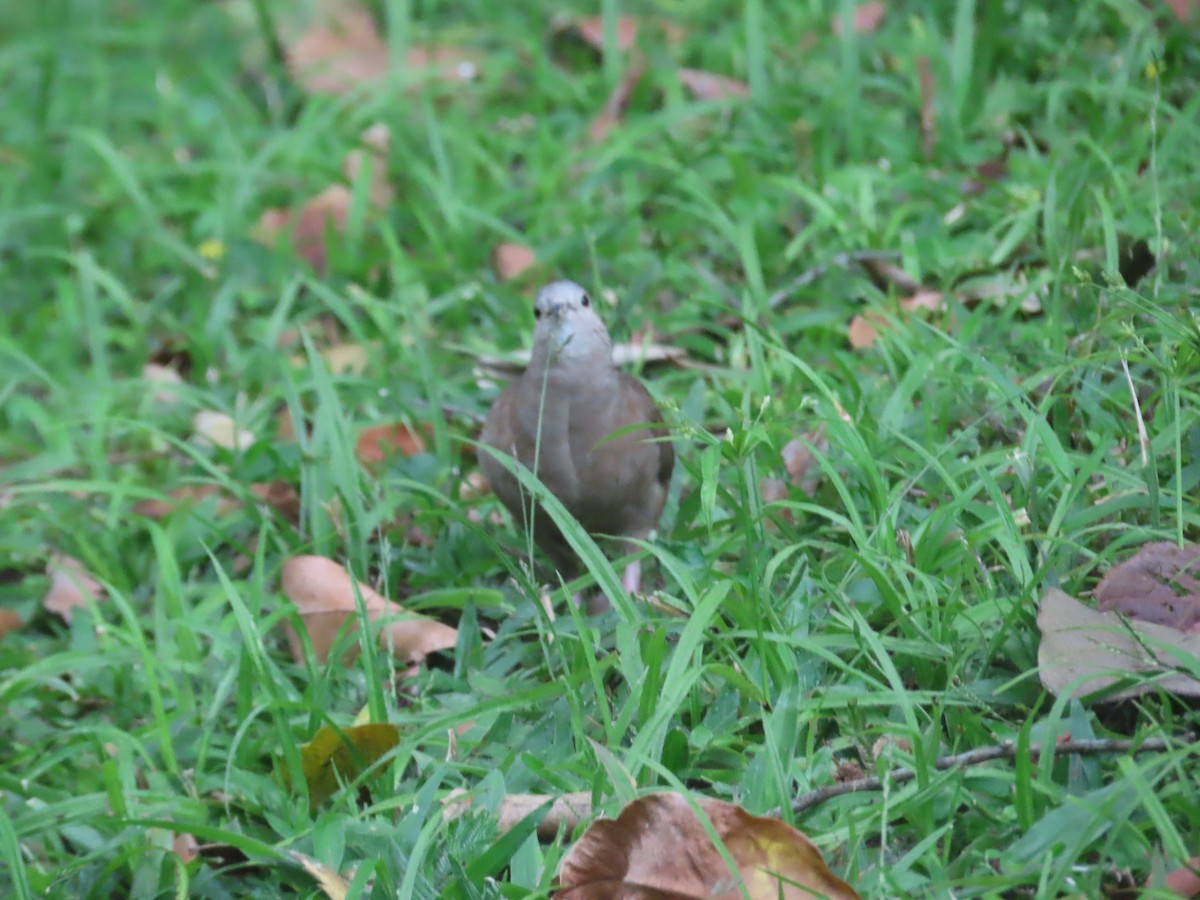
{"x":342,"y":49}
{"x":71,"y":586}
{"x":657,"y":847}
{"x":324,"y":595}
{"x":1099,"y":648}
{"x":1160,"y":583}
{"x":331,"y":758}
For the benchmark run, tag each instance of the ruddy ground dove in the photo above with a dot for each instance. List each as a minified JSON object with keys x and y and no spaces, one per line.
{"x":558,"y":419}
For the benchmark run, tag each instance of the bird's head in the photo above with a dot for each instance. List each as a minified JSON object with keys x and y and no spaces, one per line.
{"x":567,"y":325}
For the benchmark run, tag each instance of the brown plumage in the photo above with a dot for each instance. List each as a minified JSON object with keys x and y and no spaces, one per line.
{"x":576,"y":398}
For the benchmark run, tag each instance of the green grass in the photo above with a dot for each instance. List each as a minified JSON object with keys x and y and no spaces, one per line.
{"x":1000,"y":446}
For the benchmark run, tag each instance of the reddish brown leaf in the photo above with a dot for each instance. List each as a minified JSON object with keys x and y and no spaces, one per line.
{"x":658,"y":847}
{"x":932,"y":301}
{"x":512,"y":260}
{"x":71,"y":586}
{"x":9,"y":621}
{"x":186,"y":847}
{"x":1184,"y":881}
{"x":338,"y":54}
{"x":801,"y":462}
{"x":708,"y":86}
{"x":444,"y":63}
{"x":323,"y":592}
{"x":187,"y":495}
{"x":864,"y":329}
{"x":867,"y":18}
{"x":380,"y":442}
{"x":591,"y":30}
{"x":1160,"y":583}
{"x":1183,"y":9}
{"x":614,"y":106}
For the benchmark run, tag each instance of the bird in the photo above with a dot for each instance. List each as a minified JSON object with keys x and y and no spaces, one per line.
{"x":558,"y":419}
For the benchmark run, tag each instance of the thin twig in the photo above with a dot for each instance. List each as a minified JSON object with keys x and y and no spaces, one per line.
{"x":841,"y":261}
{"x":900,"y":775}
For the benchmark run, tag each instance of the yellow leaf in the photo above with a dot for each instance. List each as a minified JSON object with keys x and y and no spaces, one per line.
{"x":333,"y":758}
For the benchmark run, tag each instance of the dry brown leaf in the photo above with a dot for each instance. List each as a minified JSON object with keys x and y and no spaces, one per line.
{"x":324,"y":595}
{"x":71,"y":586}
{"x":332,"y":884}
{"x":1160,"y":583}
{"x":1184,"y":881}
{"x":801,"y":462}
{"x":864,"y":329}
{"x":591,"y":31}
{"x":341,"y":52}
{"x":278,"y":495}
{"x":707,"y":86}
{"x":186,"y":847}
{"x":657,"y":846}
{"x":9,"y":621}
{"x":218,"y":429}
{"x":885,"y":274}
{"x":566,"y":811}
{"x":346,"y":359}
{"x":1183,"y":9}
{"x":512,"y":260}
{"x":614,"y":107}
{"x":933,"y":301}
{"x":187,"y":495}
{"x":1098,"y":648}
{"x":328,"y":212}
{"x":867,"y":18}
{"x":380,"y":442}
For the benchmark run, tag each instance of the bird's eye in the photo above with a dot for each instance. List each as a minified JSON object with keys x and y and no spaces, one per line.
{"x":587,"y":301}
{"x":537,"y":313}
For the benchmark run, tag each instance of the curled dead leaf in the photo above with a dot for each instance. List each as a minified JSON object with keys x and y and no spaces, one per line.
{"x":71,"y":586}
{"x":658,"y":844}
{"x":1084,"y":650}
{"x":709,"y":86}
{"x":323,"y":593}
